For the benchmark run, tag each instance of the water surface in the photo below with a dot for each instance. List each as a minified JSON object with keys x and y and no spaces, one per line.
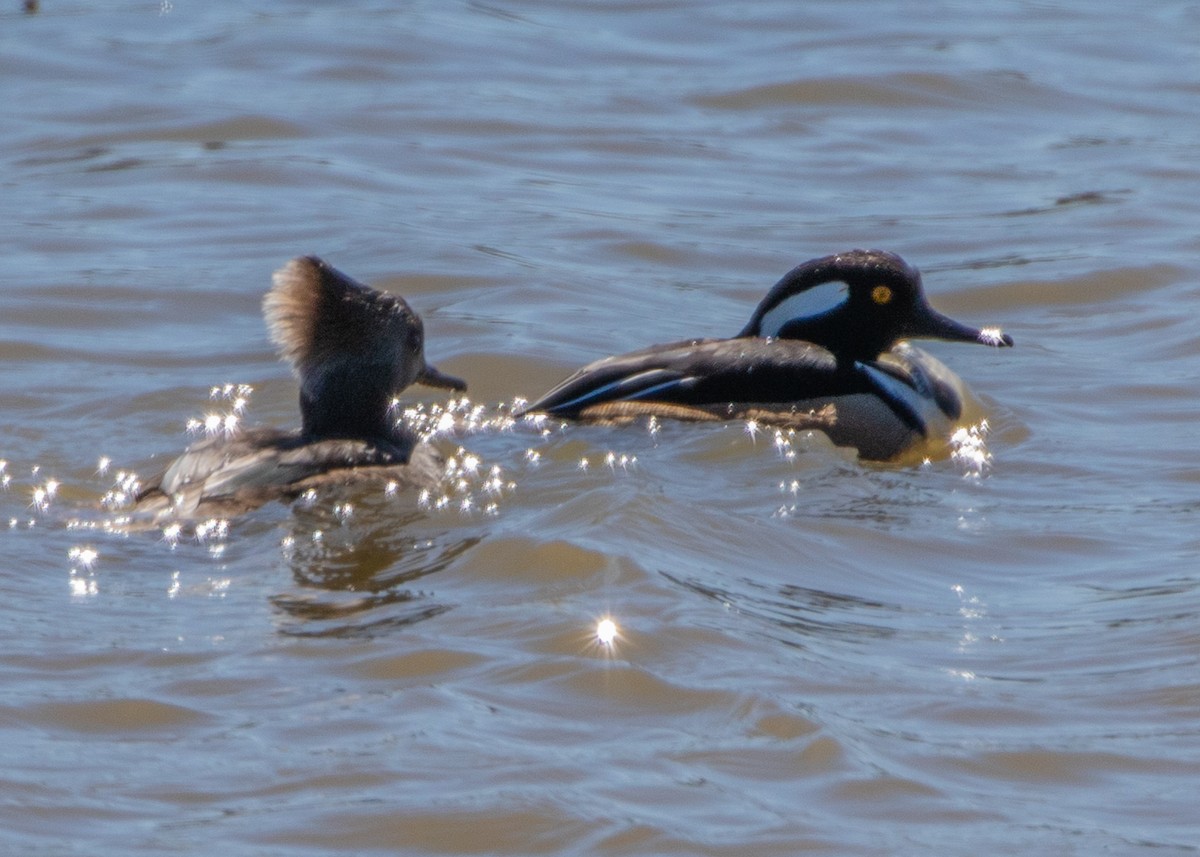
{"x":813,"y":655}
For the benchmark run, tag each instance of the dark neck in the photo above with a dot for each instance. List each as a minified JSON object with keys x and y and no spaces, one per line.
{"x":837,"y":331}
{"x":349,"y":404}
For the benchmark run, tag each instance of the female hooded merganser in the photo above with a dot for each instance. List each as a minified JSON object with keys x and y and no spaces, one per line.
{"x":353,"y":349}
{"x":840,"y":369}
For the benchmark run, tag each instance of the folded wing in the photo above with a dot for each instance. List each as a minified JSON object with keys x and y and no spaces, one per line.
{"x":705,"y":374}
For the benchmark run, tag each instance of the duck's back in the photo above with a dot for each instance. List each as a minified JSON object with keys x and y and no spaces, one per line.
{"x":221,"y":477}
{"x":881,"y":408}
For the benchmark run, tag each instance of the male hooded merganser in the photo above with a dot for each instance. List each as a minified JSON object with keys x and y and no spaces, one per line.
{"x":841,"y":369}
{"x":352,"y":348}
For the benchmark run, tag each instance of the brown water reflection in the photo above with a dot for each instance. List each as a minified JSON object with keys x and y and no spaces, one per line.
{"x":358,"y":581}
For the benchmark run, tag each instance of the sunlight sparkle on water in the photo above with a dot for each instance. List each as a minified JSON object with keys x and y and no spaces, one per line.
{"x":619,"y":459}
{"x":457,"y":415}
{"x":495,"y":483}
{"x":212,"y":530}
{"x":606,"y":632}
{"x":466,"y":478}
{"x":171,"y":534}
{"x":80,"y":578}
{"x":43,"y":494}
{"x":969,"y":449}
{"x":82,"y":586}
{"x":86,"y":557}
{"x":783,"y":443}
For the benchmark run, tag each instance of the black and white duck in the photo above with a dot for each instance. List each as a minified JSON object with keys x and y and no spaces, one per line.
{"x":823,"y":350}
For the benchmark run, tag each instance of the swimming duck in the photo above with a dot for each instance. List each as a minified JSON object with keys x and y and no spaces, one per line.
{"x":838,"y":367}
{"x":353,"y":349}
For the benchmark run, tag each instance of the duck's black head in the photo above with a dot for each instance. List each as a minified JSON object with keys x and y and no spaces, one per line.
{"x":353,"y":349}
{"x":873,"y":299}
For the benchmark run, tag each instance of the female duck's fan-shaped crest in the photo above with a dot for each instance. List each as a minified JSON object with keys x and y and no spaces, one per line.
{"x":352,"y":347}
{"x":318,"y":316}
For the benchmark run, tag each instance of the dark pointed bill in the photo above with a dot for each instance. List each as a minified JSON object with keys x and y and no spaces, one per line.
{"x":933,"y":325}
{"x":431,"y":377}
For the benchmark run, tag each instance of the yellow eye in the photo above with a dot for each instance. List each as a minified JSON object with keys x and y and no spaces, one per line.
{"x":881,"y":295}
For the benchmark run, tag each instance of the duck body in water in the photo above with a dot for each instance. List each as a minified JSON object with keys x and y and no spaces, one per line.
{"x":353,"y":350}
{"x":823,"y":350}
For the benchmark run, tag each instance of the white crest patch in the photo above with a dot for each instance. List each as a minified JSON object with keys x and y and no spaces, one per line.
{"x":803,"y":304}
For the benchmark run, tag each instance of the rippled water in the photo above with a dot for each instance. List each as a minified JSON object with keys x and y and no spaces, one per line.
{"x":813,"y":655}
